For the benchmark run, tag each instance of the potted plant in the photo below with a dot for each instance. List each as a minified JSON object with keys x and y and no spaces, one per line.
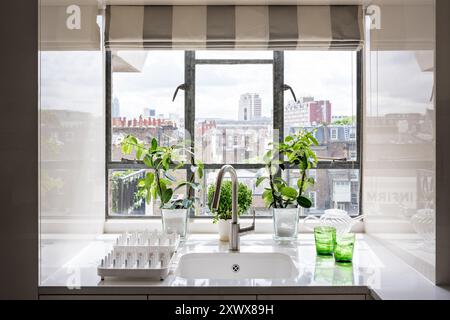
{"x":285,"y":200}
{"x":159,"y":184}
{"x":223,"y":213}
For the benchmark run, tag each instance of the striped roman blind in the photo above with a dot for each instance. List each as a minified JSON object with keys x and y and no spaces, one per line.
{"x":234,"y":27}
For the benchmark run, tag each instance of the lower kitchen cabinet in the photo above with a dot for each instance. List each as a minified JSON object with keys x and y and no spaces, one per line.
{"x":202,"y":297}
{"x":92,"y":297}
{"x":314,"y":297}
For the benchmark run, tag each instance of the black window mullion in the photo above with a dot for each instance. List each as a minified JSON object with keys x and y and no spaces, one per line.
{"x":189,"y":112}
{"x":359,"y":120}
{"x":278,"y":99}
{"x":108,"y":91}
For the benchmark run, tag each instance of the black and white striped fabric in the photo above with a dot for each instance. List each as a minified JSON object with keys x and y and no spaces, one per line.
{"x":234,"y":27}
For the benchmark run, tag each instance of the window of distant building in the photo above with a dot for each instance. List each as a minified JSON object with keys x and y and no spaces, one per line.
{"x":312,"y":197}
{"x":334,"y":134}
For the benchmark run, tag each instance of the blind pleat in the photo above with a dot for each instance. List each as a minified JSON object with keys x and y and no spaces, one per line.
{"x":235,"y":27}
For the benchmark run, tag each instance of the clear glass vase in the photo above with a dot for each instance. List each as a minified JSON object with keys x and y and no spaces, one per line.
{"x":175,"y":221}
{"x":285,"y":223}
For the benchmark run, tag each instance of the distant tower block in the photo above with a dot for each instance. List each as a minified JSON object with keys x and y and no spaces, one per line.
{"x":250,"y":107}
{"x":115,"y":112}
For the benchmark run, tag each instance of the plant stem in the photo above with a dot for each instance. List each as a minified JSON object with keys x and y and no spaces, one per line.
{"x":300,"y":191}
{"x":272,"y":188}
{"x":159,"y":185}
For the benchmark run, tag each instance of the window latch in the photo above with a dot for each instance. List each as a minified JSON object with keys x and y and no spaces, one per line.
{"x":180,"y":87}
{"x":286,"y":87}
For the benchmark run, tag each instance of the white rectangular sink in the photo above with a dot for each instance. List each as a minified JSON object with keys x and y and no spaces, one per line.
{"x":238,"y":265}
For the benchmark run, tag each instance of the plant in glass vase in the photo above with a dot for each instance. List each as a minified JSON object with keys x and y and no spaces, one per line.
{"x":159,"y":184}
{"x":223,"y":213}
{"x":285,"y":200}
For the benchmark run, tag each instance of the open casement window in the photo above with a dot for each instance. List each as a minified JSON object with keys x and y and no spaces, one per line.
{"x":231,"y":104}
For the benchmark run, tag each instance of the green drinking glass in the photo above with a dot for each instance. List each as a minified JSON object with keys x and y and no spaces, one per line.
{"x":343,"y":251}
{"x":325,"y":239}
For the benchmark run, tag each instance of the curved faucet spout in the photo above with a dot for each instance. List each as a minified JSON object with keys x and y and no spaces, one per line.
{"x":234,"y":187}
{"x":235,"y":229}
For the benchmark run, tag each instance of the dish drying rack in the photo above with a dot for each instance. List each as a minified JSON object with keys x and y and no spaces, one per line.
{"x":140,"y":255}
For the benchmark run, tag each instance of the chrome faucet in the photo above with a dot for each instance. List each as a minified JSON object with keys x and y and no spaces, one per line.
{"x":235,"y":229}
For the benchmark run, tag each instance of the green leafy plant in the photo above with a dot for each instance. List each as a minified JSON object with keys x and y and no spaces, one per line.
{"x":160,"y":183}
{"x":225,"y":204}
{"x":297,"y":150}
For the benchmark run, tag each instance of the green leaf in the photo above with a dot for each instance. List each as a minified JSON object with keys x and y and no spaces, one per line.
{"x":200,"y":169}
{"x":304,"y":202}
{"x":289,"y":192}
{"x":260,"y":180}
{"x":166,"y":161}
{"x":267,"y":197}
{"x":133,"y":140}
{"x":280,"y":181}
{"x":268,"y":157}
{"x":166,"y":195}
{"x":148,"y":161}
{"x":164,"y":182}
{"x":149,"y":178}
{"x":141,"y":183}
{"x":154,"y":144}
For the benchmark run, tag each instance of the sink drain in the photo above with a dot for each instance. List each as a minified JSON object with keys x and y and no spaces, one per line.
{"x":235,"y":268}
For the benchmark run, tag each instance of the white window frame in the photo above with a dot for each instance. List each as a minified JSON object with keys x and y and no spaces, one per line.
{"x":334,"y":134}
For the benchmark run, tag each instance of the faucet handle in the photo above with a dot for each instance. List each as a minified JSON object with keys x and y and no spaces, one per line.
{"x":250,"y":227}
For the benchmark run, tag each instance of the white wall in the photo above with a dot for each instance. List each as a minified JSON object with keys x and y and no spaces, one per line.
{"x":72,"y":134}
{"x":399,"y":132}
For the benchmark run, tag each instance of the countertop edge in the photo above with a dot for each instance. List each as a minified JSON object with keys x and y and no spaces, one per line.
{"x":228,"y":290}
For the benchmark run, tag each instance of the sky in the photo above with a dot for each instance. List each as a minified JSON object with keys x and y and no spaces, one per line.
{"x":75,"y":81}
{"x":218,"y":87}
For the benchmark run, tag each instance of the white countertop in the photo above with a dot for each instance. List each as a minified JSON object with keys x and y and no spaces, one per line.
{"x":373,"y":267}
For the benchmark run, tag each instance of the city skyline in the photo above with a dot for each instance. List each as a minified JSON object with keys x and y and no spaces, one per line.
{"x":252,"y":101}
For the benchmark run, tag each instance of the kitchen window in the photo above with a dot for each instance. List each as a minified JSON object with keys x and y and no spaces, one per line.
{"x":231,"y":105}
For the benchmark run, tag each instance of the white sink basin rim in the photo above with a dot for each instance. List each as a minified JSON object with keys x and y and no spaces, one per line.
{"x":270,"y":265}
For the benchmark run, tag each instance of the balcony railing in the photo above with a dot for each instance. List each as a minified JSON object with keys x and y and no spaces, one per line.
{"x":124,"y":194}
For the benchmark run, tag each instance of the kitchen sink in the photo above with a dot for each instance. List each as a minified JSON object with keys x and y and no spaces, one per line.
{"x":239,"y":265}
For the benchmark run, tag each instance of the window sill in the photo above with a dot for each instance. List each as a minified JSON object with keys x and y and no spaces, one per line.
{"x":204,"y":225}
